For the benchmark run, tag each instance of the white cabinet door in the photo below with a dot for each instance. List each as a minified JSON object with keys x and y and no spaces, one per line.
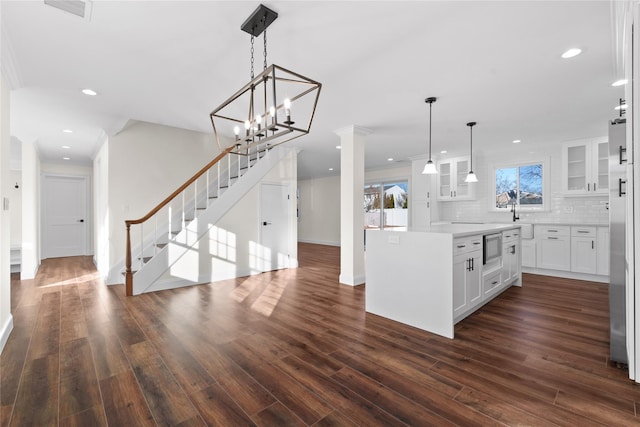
{"x":529,"y":253}
{"x":474,"y":279}
{"x":510,"y":263}
{"x":554,"y":252}
{"x":583,"y":254}
{"x":467,"y":282}
{"x":602,"y":251}
{"x":460,"y":268}
{"x":585,"y":168}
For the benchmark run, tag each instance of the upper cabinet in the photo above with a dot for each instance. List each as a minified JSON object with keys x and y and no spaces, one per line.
{"x":451,"y":176}
{"x":585,"y":168}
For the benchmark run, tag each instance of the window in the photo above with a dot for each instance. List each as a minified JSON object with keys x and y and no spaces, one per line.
{"x":386,"y":205}
{"x":521,"y":185}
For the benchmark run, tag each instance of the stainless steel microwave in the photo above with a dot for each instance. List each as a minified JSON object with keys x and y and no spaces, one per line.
{"x":491,"y":248}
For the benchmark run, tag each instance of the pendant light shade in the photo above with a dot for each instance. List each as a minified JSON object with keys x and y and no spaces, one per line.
{"x":471,"y":176}
{"x":430,"y":167}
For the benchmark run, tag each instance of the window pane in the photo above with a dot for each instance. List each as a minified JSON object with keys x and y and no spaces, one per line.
{"x":396,"y":205}
{"x":372,"y":206}
{"x":506,"y":186}
{"x":531,"y":185}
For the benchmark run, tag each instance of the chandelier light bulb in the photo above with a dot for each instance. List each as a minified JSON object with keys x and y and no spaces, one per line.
{"x":236,"y":130}
{"x":259,"y":119}
{"x":272,"y":111}
{"x":247,"y":124}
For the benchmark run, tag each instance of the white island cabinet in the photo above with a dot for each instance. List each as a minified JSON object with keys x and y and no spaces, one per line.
{"x":432,"y":279}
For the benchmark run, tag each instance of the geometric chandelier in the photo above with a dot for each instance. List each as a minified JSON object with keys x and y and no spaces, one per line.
{"x":275,"y":106}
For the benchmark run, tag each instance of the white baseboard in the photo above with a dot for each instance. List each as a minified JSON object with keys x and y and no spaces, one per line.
{"x":351,"y":280}
{"x":566,"y":274}
{"x":6,"y":331}
{"x":319,"y":242}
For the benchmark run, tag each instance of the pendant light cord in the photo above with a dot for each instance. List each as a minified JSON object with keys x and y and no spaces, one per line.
{"x":471,"y":149}
{"x":430,"y":105}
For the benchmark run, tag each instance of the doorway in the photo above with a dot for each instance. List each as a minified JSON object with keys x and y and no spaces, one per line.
{"x":65,"y":219}
{"x":274,"y":226}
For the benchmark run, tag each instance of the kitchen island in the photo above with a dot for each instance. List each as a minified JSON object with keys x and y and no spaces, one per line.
{"x":432,"y":279}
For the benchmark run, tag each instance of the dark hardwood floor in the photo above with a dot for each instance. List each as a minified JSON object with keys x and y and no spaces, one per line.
{"x":294,"y":347}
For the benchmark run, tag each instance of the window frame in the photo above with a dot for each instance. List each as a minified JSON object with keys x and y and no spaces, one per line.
{"x":546,"y":191}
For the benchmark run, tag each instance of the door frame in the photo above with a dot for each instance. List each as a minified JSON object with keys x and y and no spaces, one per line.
{"x":86,"y":179}
{"x":288,"y":218}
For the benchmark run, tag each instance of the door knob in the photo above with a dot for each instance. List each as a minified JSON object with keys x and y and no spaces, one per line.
{"x":81,"y":220}
{"x":266,"y":223}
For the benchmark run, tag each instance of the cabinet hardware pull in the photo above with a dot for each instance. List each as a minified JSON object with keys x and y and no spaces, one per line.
{"x":494,"y":283}
{"x":583,"y":231}
{"x":552,"y":231}
{"x":455,"y":194}
{"x":552,"y":238}
{"x":476,"y":243}
{"x":622,"y":150}
{"x":594,"y":186}
{"x":592,"y":245}
{"x":462,"y":246}
{"x":620,"y":182}
{"x":473,"y":266}
{"x":588,"y":186}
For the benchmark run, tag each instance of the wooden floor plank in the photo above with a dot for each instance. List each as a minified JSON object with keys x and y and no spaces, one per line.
{"x":295,"y":347}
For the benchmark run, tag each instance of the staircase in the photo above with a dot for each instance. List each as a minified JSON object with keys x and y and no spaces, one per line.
{"x":168,"y":232}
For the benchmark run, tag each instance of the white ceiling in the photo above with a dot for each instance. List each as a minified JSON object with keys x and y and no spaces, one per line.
{"x":172,"y":62}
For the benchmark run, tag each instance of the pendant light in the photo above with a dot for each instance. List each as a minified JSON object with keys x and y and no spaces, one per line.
{"x":430,"y":167}
{"x":471,"y":176}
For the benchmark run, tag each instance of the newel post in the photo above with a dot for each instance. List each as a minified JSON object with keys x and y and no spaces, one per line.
{"x":128,"y":275}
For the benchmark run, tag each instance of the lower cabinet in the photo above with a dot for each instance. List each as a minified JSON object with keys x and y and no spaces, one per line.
{"x":554,"y":248}
{"x":528,"y":253}
{"x":467,"y":282}
{"x":510,"y":262}
{"x":602,"y":250}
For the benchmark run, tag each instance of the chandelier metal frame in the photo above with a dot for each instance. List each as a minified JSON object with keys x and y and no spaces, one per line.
{"x":263,"y":107}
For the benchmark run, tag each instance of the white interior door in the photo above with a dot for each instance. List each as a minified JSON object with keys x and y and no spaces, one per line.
{"x":65,"y":216}
{"x":274,"y":226}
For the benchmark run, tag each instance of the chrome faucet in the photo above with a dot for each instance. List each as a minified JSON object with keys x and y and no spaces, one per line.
{"x":513,"y":210}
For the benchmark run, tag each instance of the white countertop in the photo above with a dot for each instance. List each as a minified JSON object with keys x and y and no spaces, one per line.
{"x":458,"y":230}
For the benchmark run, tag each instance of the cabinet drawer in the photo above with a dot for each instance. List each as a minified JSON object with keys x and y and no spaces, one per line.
{"x":464,"y":245}
{"x":492,"y":283}
{"x":577,"y":231}
{"x":510,"y":235}
{"x":551,"y":230}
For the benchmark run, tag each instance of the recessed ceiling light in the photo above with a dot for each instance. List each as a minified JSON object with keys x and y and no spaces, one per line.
{"x":621,"y":107}
{"x":330,"y":169}
{"x":89,"y":92}
{"x":443,"y":152}
{"x":66,"y":147}
{"x":390,"y":159}
{"x":338,"y":146}
{"x":572,"y":52}
{"x":67,"y":131}
{"x":66,"y":158}
{"x":619,"y":82}
{"x":516,"y":141}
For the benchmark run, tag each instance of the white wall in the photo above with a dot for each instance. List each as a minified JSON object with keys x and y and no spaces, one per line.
{"x":319,"y":204}
{"x":101,"y":209}
{"x":590,"y":209}
{"x":30,"y":211}
{"x":146,"y":163}
{"x":319,"y":210}
{"x":6,"y":319}
{"x":15,"y":196}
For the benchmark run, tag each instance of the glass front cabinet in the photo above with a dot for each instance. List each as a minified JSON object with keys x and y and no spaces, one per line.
{"x":451,"y":176}
{"x":585,"y":167}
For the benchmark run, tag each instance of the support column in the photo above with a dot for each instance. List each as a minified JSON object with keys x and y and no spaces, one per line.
{"x":352,"y":139}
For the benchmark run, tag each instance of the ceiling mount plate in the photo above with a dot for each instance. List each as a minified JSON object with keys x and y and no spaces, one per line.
{"x":259,"y":20}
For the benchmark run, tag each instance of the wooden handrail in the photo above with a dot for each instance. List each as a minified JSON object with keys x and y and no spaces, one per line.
{"x":173,"y":195}
{"x":129,"y":222}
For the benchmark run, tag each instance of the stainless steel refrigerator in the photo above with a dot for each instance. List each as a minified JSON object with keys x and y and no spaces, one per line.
{"x":617,"y":235}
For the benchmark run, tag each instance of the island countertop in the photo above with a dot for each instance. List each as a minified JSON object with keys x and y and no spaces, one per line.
{"x":459,"y":230}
